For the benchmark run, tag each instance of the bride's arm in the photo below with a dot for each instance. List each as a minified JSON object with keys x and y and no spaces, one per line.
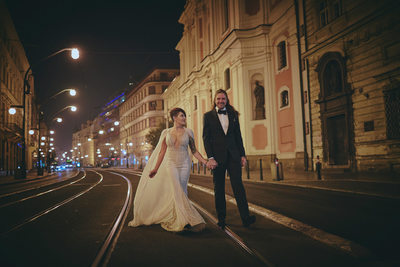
{"x":196,"y":153}
{"x":160,"y":159}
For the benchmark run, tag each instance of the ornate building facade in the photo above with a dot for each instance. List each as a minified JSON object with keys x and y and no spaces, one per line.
{"x":314,"y":80}
{"x":13,"y":65}
{"x":250,"y":49}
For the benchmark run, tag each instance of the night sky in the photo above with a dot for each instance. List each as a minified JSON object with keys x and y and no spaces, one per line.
{"x":120,"y":42}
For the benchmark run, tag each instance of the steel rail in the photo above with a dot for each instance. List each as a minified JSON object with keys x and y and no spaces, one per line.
{"x":42,"y":193}
{"x":236,"y":238}
{"x":104,"y":254}
{"x":46,"y":211}
{"x":37,"y":187}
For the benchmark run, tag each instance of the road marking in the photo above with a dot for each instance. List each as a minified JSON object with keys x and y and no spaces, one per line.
{"x":332,"y":240}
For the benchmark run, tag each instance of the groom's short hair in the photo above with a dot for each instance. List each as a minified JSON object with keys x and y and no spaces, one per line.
{"x":175,"y":111}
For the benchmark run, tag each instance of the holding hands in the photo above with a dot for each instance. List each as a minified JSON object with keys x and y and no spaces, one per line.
{"x":211,"y":164}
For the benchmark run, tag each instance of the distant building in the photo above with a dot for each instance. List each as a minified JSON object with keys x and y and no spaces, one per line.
{"x":13,"y":65}
{"x":97,"y":142}
{"x":142,"y":110}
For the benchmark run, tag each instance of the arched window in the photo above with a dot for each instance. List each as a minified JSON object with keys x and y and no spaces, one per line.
{"x":332,"y":78}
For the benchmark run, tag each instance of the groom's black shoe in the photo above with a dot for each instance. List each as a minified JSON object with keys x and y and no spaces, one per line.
{"x":249,"y":220}
{"x":221,"y":224}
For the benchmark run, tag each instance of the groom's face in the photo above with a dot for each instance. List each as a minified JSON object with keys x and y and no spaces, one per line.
{"x":220,"y":100}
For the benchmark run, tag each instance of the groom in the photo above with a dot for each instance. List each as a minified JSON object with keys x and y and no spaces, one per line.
{"x":224,"y":147}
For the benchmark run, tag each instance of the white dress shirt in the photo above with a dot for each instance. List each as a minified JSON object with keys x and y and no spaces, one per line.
{"x":224,"y":120}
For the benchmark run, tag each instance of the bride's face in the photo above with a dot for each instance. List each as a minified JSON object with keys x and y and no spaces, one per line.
{"x":180,"y":119}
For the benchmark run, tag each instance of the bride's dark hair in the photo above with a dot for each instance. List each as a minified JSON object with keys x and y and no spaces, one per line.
{"x":175,"y":111}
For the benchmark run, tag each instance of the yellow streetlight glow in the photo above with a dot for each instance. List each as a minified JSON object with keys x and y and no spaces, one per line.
{"x":75,"y":53}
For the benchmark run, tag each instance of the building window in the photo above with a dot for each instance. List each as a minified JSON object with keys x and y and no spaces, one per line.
{"x":329,"y":10}
{"x":195,"y":102}
{"x":163,"y":76}
{"x":152,"y":122}
{"x":281,"y":55}
{"x":152,"y":90}
{"x":323,"y":12}
{"x":392,"y":111}
{"x":332,"y":78}
{"x":227,"y":75}
{"x":284,"y":99}
{"x":226,"y":15}
{"x":152,"y":105}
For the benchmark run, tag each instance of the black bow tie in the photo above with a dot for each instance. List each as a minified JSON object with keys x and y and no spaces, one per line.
{"x":220,"y":111}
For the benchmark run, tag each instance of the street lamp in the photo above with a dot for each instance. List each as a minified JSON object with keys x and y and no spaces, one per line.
{"x":26,"y":90}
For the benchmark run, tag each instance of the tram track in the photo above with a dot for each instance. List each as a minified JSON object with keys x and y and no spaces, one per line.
{"x":37,"y":187}
{"x":104,"y":254}
{"x":229,"y":233}
{"x":39,"y":194}
{"x":50,"y":209}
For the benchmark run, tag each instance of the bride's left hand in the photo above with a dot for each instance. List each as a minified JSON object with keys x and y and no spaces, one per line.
{"x":152,"y":173}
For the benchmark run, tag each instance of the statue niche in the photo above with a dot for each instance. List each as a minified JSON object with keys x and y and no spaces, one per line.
{"x":259,"y":107}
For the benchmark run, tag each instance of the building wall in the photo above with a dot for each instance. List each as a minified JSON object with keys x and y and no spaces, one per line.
{"x":13,"y":65}
{"x":143,"y":110}
{"x":232,"y":47}
{"x":365,"y":35}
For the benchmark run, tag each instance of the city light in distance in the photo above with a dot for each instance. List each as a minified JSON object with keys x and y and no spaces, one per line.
{"x":43,"y":138}
{"x":52,"y":132}
{"x":31,"y":132}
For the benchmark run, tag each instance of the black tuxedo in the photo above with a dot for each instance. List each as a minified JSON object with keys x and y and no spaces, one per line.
{"x":227,"y":150}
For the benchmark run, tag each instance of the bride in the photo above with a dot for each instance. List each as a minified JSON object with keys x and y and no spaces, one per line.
{"x":161,"y":196}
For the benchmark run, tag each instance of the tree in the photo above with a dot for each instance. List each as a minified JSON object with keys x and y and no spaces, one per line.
{"x":154,"y":134}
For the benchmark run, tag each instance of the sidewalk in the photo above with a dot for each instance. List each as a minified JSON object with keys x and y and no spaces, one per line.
{"x":373,"y":184}
{"x":30,"y":176}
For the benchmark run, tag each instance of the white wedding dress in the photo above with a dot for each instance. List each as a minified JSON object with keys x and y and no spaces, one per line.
{"x":163,"y":199}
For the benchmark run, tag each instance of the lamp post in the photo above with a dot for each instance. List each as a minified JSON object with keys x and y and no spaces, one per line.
{"x":21,"y":169}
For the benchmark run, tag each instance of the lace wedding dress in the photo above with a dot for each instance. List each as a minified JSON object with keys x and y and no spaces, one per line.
{"x":163,"y":199}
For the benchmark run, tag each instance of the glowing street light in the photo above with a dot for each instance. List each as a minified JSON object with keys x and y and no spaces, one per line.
{"x":75,"y":53}
{"x":52,"y":132}
{"x":31,"y":132}
{"x":73,"y":108}
{"x":72,"y":92}
{"x":116,"y":123}
{"x":12,"y":111}
{"x":59,"y":119}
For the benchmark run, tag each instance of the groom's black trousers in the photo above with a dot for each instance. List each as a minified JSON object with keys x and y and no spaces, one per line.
{"x":233,"y":166}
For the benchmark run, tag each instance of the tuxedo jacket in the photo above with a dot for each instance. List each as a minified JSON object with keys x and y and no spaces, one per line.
{"x":216,"y":143}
